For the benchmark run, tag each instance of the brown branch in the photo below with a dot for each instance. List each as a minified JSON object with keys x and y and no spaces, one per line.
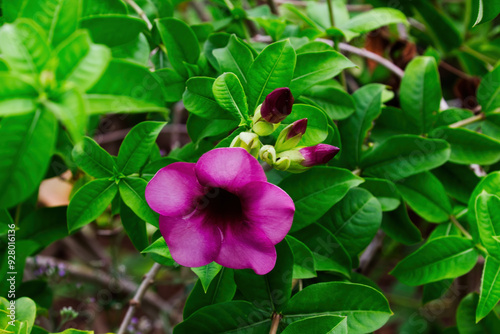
{"x":275,"y":323}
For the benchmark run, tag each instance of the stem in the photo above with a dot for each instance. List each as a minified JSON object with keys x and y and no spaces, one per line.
{"x":141,"y":13}
{"x":357,"y":171}
{"x":467,"y":121}
{"x":273,"y":7}
{"x":275,"y":323}
{"x":479,"y":55}
{"x":136,"y":301}
{"x":245,"y":30}
{"x":460,"y":227}
{"x":330,"y":12}
{"x":18,"y":214}
{"x":229,"y":4}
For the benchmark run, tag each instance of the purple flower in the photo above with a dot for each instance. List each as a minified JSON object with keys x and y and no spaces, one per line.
{"x":317,"y":155}
{"x":277,"y":105}
{"x":221,"y":209}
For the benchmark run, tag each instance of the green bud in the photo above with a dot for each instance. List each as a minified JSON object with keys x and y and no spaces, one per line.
{"x":291,"y":135}
{"x":249,"y":141}
{"x":268,"y":154}
{"x":292,"y":159}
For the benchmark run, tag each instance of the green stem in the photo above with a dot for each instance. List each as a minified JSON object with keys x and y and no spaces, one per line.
{"x":229,"y":4}
{"x":478,"y":55}
{"x":330,"y":12}
{"x":467,"y":121}
{"x":18,"y":214}
{"x":245,"y":31}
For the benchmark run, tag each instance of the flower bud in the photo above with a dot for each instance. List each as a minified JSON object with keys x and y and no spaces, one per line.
{"x":261,"y":126}
{"x":277,"y":105}
{"x":302,"y":159}
{"x":268,"y":154}
{"x":291,"y":135}
{"x":249,"y":141}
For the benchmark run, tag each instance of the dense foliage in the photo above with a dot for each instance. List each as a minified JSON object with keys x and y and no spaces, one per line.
{"x":399,"y":232}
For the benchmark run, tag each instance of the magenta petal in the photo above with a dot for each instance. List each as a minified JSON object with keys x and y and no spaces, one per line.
{"x":228,"y":168}
{"x":269,"y":208}
{"x":191,"y":241}
{"x":246,"y":247}
{"x":174,"y":189}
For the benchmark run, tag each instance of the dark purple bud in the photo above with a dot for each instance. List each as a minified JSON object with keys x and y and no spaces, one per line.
{"x":317,"y":155}
{"x":298,"y":128}
{"x":277,"y":105}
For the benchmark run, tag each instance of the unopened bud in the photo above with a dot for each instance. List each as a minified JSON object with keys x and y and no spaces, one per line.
{"x":249,"y":141}
{"x":291,"y":135}
{"x":277,"y":105}
{"x":268,"y":154}
{"x":302,"y":159}
{"x":260,"y":126}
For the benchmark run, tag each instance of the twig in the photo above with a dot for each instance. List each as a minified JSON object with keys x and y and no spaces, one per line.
{"x":460,"y":227}
{"x":136,"y":301}
{"x":273,"y":7}
{"x":275,"y":323}
{"x":455,"y":71}
{"x":351,"y":8}
{"x":467,"y":121}
{"x":141,"y":13}
{"x":369,"y":254}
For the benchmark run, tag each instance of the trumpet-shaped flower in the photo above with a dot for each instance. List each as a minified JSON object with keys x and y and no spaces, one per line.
{"x":221,"y":209}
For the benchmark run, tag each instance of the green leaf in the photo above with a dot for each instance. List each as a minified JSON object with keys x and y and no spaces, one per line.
{"x":315,"y":67}
{"x":199,"y":128}
{"x":236,"y":316}
{"x":26,"y":145}
{"x":354,"y":220}
{"x":126,"y":87}
{"x":490,"y":288}
{"x":317,"y":124}
{"x":159,"y":252}
{"x":132,"y":193}
{"x":484,"y":10}
{"x":230,"y":95}
{"x":137,"y":50}
{"x":491,"y":126}
{"x":426,"y":196}
{"x":235,"y":57}
{"x":113,"y":29}
{"x":89,"y":202}
{"x":23,"y":47}
{"x":458,"y":180}
{"x":328,"y":252}
{"x":207,"y":273}
{"x":320,"y":189}
{"x":199,"y":99}
{"x":466,"y":320}
{"x":438,"y":259}
{"x":374,"y":19}
{"x":59,"y":18}
{"x":366,"y":308}
{"x":399,"y":227}
{"x":405,"y":155}
{"x":134,"y":227}
{"x":24,"y":248}
{"x":136,"y":147}
{"x":93,"y":159}
{"x":420,"y":92}
{"x":81,"y":63}
{"x":445,"y":229}
{"x":26,"y":311}
{"x":303,"y":259}
{"x":69,"y":108}
{"x":385,"y":191}
{"x":181,"y":43}
{"x":336,"y":103}
{"x":469,"y":147}
{"x":487,"y":209}
{"x":17,"y":97}
{"x":273,"y":68}
{"x":271,"y":291}
{"x":488,"y":93}
{"x":435,"y":290}
{"x":322,"y":324}
{"x":173,"y":84}
{"x":44,"y":226}
{"x":221,"y":290}
{"x":354,"y":130}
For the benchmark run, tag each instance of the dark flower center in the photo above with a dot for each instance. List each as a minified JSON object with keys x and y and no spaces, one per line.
{"x":220,"y":206}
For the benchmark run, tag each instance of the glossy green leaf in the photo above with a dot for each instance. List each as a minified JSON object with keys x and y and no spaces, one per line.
{"x":273,"y":68}
{"x":490,"y":288}
{"x":44,"y":226}
{"x":488,"y":93}
{"x":329,"y":254}
{"x":366,"y":308}
{"x":490,"y":184}
{"x":23,"y":46}
{"x":354,"y":130}
{"x":487,"y":209}
{"x":17,"y":97}
{"x":466,"y":320}
{"x":235,"y":316}
{"x":199,"y":128}
{"x":320,"y":189}
{"x":132,"y":193}
{"x":314,"y":67}
{"x":385,"y":191}
{"x":134,"y":227}
{"x":137,"y":145}
{"x":354,"y":220}
{"x":160,"y":252}
{"x":321,"y":324}
{"x":405,"y":155}
{"x":426,"y":196}
{"x":445,"y":229}
{"x":137,"y":50}
{"x":491,"y":126}
{"x":336,"y":103}
{"x":374,"y":19}
{"x":438,"y":259}
{"x":199,"y":99}
{"x":26,"y":311}
{"x":273,"y":290}
{"x":230,"y":95}
{"x":235,"y":57}
{"x":207,"y":273}
{"x":221,"y":290}
{"x":469,"y":147}
{"x":458,"y":180}
{"x":420,"y":92}
{"x":126,"y":87}
{"x":81,"y":63}
{"x":398,"y":226}
{"x":89,"y":202}
{"x":180,"y":41}
{"x":93,"y":159}
{"x":173,"y":84}
{"x":484,"y":11}
{"x":113,"y":29}
{"x":435,"y":290}
{"x":26,"y":145}
{"x":24,"y":248}
{"x":303,"y":259}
